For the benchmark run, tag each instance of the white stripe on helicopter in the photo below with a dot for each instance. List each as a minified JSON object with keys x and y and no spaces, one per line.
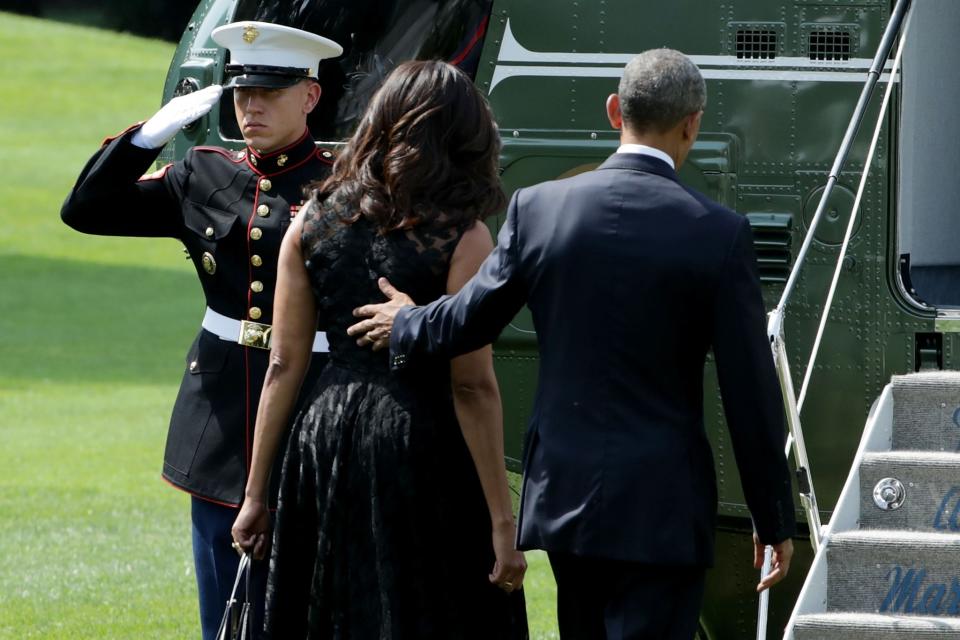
{"x":788,"y":69}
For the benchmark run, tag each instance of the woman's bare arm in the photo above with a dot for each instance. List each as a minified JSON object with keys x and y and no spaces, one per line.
{"x":476,"y":398}
{"x":294,"y":326}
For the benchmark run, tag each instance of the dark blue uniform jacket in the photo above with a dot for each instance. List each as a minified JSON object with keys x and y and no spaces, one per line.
{"x":230,"y":209}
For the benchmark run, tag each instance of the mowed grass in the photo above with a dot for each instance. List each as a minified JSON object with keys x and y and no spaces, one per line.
{"x":92,"y":337}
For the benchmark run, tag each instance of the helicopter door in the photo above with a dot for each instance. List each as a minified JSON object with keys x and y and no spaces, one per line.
{"x":929,"y":176}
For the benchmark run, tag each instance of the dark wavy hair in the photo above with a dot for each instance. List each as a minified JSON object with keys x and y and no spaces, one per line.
{"x":426,"y":150}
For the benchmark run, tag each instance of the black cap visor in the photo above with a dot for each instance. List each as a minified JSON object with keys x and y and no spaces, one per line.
{"x":263,"y":76}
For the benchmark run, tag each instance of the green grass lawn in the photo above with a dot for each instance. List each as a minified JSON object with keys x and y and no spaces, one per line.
{"x":92,"y":335}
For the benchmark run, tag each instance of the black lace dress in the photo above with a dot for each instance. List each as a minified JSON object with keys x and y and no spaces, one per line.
{"x":382,"y":531}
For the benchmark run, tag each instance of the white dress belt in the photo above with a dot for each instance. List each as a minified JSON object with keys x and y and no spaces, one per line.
{"x":230,"y":330}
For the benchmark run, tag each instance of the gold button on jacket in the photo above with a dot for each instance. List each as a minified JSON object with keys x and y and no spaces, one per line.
{"x":266,"y":185}
{"x":255,"y":313}
{"x":255,"y":233}
{"x":263,"y":211}
{"x":209,"y":264}
{"x":256,"y":260}
{"x":257,"y":286}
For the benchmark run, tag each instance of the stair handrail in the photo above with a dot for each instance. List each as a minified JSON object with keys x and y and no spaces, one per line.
{"x":873,"y":77}
{"x":848,"y":235}
{"x":792,"y":405}
{"x":775,"y":332}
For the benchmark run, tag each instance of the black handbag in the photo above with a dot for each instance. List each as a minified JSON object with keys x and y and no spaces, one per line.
{"x":237,"y":622}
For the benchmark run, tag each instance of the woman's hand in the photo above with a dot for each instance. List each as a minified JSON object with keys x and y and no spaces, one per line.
{"x":251,"y":530}
{"x":510,"y":567}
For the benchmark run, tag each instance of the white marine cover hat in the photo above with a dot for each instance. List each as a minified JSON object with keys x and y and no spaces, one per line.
{"x":263,"y":54}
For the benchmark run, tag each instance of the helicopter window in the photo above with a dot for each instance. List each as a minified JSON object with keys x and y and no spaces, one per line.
{"x":376,"y":35}
{"x":829,"y":45}
{"x":756,"y":44}
{"x":929,"y":158}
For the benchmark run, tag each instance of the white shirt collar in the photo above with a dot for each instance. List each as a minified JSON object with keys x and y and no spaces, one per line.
{"x":647,"y":151}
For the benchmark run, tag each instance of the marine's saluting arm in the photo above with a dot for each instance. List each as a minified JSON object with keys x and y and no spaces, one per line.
{"x":176,"y":114}
{"x":113,"y":197}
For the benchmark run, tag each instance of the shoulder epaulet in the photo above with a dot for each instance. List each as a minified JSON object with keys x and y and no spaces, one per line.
{"x":232,"y":156}
{"x":156,"y":175}
{"x":325,"y":155}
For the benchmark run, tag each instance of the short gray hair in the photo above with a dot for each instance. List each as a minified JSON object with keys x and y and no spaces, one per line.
{"x":659,"y":88}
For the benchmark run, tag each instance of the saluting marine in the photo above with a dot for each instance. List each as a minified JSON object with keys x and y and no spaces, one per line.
{"x":230,"y":209}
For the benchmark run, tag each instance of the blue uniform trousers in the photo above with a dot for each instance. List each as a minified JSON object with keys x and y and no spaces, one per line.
{"x":216,"y":565}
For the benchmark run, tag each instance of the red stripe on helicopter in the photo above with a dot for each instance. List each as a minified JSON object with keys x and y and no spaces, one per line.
{"x":477,"y":36}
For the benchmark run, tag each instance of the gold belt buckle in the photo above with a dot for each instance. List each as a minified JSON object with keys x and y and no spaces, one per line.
{"x":254,"y":334}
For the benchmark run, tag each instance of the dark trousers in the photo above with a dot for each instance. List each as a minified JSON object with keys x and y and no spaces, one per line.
{"x":216,"y":565}
{"x":599,"y":599}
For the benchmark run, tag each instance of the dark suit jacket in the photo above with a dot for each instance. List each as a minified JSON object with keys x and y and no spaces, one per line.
{"x":631,"y":279}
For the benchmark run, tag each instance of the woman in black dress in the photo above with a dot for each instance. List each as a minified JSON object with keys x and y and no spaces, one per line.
{"x":394,"y":516}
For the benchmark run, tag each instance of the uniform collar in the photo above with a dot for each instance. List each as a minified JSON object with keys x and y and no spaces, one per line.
{"x":284,"y":159}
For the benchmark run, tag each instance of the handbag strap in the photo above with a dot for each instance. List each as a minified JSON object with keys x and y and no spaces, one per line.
{"x":243,"y":572}
{"x":225,"y":632}
{"x":249,"y":574}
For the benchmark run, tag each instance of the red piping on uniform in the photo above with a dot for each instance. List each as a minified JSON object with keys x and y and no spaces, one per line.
{"x":231,"y":155}
{"x":320,"y":157}
{"x":306,"y":132}
{"x":246,"y":349}
{"x":253,"y":152}
{"x":477,"y":36}
{"x":292,"y":167}
{"x":156,"y":175}
{"x":110,"y":139}
{"x":246,"y":431}
{"x":199,"y":497}
{"x":253,"y":166}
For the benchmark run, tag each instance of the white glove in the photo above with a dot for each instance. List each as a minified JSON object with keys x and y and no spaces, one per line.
{"x":176,"y":114}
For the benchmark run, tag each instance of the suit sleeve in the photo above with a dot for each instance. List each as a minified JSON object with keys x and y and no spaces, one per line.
{"x":110,"y":198}
{"x":475,"y":316}
{"x":751,"y":394}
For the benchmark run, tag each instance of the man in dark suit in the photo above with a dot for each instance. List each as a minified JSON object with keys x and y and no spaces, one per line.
{"x":631,"y":278}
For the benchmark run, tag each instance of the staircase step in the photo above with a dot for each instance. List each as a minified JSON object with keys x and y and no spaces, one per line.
{"x":857,"y":626}
{"x":931,"y":484}
{"x":894,"y":573}
{"x":926,"y":411}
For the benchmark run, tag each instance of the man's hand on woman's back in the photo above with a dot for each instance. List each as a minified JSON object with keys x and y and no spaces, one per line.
{"x":375,"y":330}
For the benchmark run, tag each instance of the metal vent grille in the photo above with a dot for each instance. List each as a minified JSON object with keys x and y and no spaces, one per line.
{"x":772,"y":238}
{"x":830,"y":45}
{"x":756,"y":44}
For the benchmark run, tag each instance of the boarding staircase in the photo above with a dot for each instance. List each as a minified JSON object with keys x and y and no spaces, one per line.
{"x":888,"y":565}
